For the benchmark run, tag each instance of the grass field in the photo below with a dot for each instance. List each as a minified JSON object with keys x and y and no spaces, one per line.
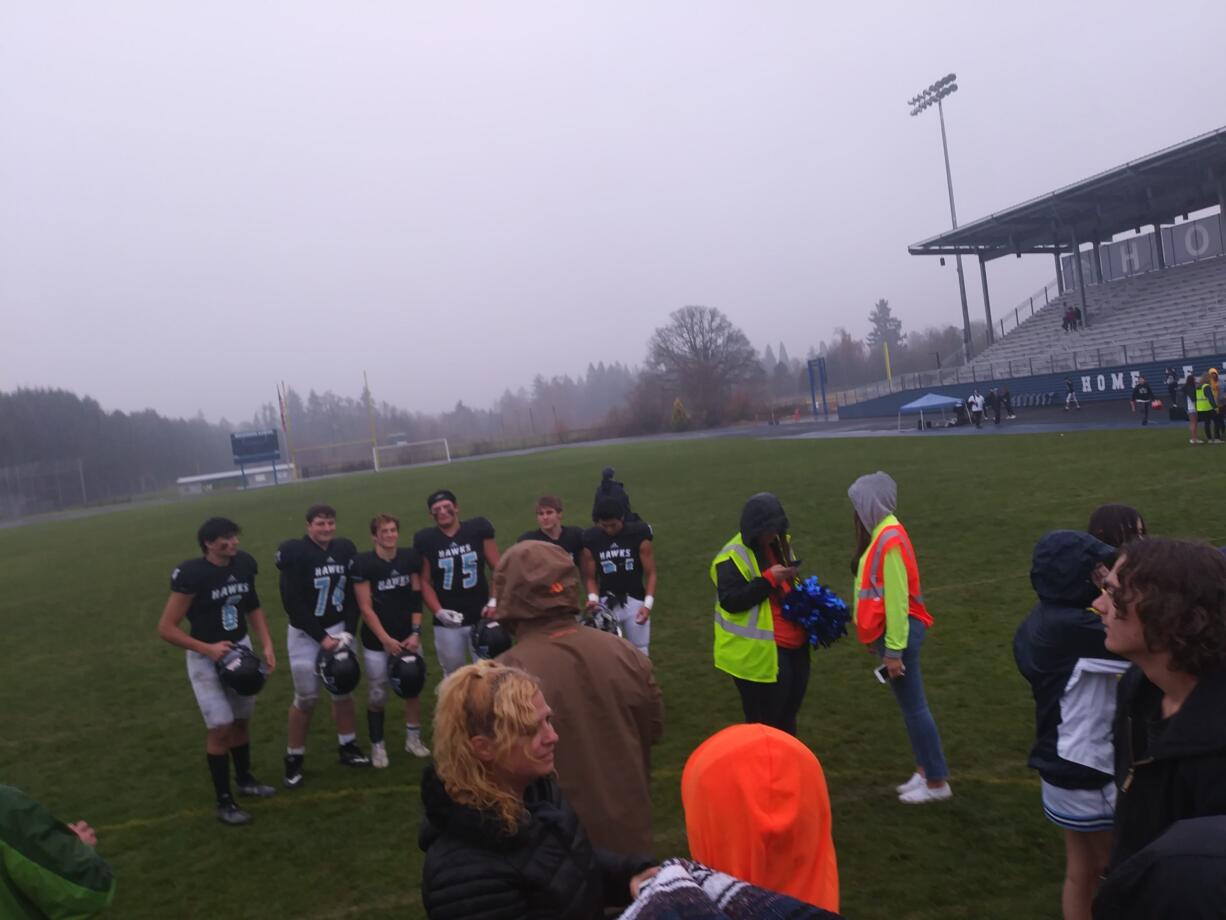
{"x":99,"y":721}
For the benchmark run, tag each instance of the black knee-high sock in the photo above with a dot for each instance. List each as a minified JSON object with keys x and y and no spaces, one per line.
{"x":219,"y":769}
{"x":374,"y":722}
{"x":242,"y":761}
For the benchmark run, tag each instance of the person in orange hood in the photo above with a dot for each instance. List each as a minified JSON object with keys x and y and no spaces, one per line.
{"x":756,"y":807}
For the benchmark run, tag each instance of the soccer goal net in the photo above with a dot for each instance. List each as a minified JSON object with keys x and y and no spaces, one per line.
{"x":413,"y":453}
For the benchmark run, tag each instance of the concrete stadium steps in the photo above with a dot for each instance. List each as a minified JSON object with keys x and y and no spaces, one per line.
{"x":1141,"y":316}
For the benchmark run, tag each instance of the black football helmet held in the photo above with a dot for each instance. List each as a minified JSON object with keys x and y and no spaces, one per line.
{"x":406,"y":673}
{"x":240,"y":670}
{"x":338,"y":669}
{"x":490,"y":639}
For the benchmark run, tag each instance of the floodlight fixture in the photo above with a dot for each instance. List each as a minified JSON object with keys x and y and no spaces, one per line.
{"x":942,"y":88}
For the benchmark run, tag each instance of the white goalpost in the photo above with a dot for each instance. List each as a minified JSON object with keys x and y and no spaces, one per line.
{"x":411,"y":453}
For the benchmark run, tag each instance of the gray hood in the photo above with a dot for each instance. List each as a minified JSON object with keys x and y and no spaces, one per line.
{"x":874,"y":497}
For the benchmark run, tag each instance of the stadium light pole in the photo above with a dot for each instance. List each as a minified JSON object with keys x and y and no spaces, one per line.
{"x":924,"y":99}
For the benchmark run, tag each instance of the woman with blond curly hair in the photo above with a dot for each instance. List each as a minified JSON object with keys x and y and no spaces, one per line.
{"x":501,"y":842}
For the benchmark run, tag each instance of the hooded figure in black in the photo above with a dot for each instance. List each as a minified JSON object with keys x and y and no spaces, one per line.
{"x":611,"y":488}
{"x":764,"y":529}
{"x":1060,"y":650}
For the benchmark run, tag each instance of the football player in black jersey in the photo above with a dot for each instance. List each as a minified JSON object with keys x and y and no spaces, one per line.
{"x":387,"y":585}
{"x":318,"y":597}
{"x":617,"y":554}
{"x":216,"y":593}
{"x":454,"y":586}
{"x":550,"y":528}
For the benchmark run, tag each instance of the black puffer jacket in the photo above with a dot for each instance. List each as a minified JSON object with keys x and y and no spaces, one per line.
{"x":1180,"y":876}
{"x":1060,"y":649}
{"x":546,"y":871}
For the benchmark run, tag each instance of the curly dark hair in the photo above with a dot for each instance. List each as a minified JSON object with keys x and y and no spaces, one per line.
{"x":1116,"y":525}
{"x":1178,"y":588}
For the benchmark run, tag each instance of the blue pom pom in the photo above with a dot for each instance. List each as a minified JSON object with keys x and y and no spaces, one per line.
{"x":819,"y":611}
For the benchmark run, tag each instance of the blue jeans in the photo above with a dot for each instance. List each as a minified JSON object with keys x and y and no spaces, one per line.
{"x":916,"y":716}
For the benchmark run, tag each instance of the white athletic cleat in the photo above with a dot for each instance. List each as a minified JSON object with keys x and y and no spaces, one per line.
{"x":925,"y":794}
{"x":378,"y":755}
{"x":413,"y":745}
{"x":916,"y":780}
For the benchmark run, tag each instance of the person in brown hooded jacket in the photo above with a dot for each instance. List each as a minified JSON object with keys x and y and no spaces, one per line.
{"x":607,"y":707}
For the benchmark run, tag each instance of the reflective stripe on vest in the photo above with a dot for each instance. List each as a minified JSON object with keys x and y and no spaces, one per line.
{"x":744,"y":649}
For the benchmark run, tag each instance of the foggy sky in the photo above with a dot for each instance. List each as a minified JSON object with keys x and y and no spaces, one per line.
{"x":200,"y":199}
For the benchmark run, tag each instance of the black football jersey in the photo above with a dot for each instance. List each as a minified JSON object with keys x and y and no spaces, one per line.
{"x":619,"y":568}
{"x":222,"y":596}
{"x":570,"y":539}
{"x":391,"y":592}
{"x":315,"y":589}
{"x":457,"y":565}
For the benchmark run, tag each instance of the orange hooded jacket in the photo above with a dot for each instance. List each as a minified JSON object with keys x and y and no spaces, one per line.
{"x":756,"y":807}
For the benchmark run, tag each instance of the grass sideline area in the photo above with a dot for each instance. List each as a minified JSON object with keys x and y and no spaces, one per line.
{"x":100,"y":723}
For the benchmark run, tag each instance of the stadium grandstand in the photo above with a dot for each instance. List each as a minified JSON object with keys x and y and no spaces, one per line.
{"x":1137,"y":250}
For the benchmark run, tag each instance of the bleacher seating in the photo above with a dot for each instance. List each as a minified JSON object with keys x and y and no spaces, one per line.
{"x":1142,"y":318}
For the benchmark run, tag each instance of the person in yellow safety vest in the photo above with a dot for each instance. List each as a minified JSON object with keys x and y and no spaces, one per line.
{"x":1209,"y":406}
{"x":891,"y":621}
{"x":766,"y":655}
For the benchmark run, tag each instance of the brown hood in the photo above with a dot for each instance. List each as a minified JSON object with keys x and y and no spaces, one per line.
{"x":536,"y":581}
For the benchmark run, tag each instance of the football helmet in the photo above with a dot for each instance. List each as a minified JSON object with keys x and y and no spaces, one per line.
{"x":490,"y":639}
{"x":602,"y":618}
{"x":406,"y":673}
{"x":338,"y":669}
{"x":240,"y":670}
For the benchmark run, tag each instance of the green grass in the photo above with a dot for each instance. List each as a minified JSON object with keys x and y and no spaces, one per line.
{"x":99,"y":721}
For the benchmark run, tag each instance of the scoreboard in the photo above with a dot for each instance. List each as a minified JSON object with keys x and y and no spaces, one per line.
{"x":255,"y":446}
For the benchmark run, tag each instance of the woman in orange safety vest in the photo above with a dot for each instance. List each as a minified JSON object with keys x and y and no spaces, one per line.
{"x":891,"y":620}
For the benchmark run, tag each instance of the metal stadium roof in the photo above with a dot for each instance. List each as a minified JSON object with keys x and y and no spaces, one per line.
{"x":1154,"y":189}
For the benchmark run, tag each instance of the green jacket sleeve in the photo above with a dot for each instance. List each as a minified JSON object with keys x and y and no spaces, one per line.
{"x":897,"y":603}
{"x":45,"y":871}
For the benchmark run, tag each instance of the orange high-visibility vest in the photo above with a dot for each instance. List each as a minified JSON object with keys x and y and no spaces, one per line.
{"x":870,"y":599}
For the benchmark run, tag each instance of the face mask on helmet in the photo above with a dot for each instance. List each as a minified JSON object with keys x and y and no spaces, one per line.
{"x":602,"y":618}
{"x":338,"y":669}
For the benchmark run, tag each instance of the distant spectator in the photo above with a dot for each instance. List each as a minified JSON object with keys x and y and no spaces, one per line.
{"x":1191,"y":401}
{"x":1007,"y":401}
{"x":1060,"y":650}
{"x":994,"y":404}
{"x":1180,"y":876}
{"x":1067,"y":323}
{"x":1171,"y":378}
{"x":48,"y":868}
{"x":1070,"y":398}
{"x":1142,"y":394}
{"x":1212,"y":415}
{"x":611,"y":488}
{"x":1164,"y":607}
{"x":756,"y":807}
{"x":1077,"y":318}
{"x":1116,"y":525}
{"x":975,"y":403}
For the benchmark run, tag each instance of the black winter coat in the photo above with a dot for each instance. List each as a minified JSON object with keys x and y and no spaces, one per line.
{"x":547,"y":871}
{"x":1180,"y":876}
{"x":1167,"y":769}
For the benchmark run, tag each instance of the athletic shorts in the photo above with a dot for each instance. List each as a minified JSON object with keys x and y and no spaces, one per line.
{"x":218,"y":703}
{"x":1079,"y":809}
{"x":303,"y":650}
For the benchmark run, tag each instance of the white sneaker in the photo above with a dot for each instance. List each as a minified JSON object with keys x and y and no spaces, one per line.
{"x":378,"y":755}
{"x":413,"y":745}
{"x":925,"y":794}
{"x":916,"y":780}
